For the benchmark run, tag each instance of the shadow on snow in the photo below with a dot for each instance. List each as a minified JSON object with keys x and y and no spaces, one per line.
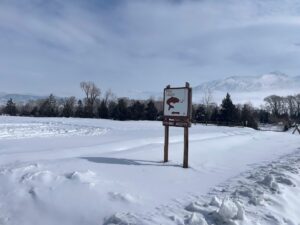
{"x":120,"y":161}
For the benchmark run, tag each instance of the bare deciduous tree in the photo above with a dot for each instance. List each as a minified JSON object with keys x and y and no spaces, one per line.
{"x":291,"y":104}
{"x":108,"y":96}
{"x":92,"y":92}
{"x":297,"y":102}
{"x":207,"y":97}
{"x":207,"y":101}
{"x":274,"y":104}
{"x":69,"y":106}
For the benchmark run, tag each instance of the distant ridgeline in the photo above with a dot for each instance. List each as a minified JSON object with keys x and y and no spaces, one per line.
{"x":283,"y":110}
{"x":243,"y":89}
{"x":18,"y":98}
{"x":266,"y":82}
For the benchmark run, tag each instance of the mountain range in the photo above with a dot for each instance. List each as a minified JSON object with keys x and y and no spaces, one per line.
{"x":18,"y":98}
{"x":249,"y":89}
{"x":242,"y":89}
{"x":266,"y":82}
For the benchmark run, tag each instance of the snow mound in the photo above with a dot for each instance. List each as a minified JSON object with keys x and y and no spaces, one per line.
{"x":270,"y":182}
{"x":256,"y":197}
{"x":88,"y":177}
{"x":123,"y":219}
{"x":230,"y":210}
{"x":196,"y":207}
{"x":215,"y":201}
{"x":195,"y":219}
{"x":257,"y":200}
{"x":176,"y":219}
{"x":44,"y":177}
{"x":285,"y":180}
{"x":126,"y":198}
{"x":19,"y":169}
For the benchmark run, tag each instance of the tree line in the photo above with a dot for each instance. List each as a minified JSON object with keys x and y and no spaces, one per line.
{"x":227,"y":113}
{"x":93,"y":105}
{"x":283,"y":108}
{"x":277,"y":110}
{"x":106,"y":105}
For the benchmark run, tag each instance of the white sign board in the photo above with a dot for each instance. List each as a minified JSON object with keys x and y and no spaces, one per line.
{"x":176,"y":102}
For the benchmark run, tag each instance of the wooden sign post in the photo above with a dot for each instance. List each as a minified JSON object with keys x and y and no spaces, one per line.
{"x":166,"y":148}
{"x":177,"y":113}
{"x":296,"y":129}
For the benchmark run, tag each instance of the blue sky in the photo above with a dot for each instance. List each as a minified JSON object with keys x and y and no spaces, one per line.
{"x":142,"y":45}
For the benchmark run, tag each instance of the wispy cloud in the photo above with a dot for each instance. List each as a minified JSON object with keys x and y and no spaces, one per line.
{"x":50,"y":46}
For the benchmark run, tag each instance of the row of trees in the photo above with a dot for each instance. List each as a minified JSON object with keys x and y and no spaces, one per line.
{"x":277,"y":109}
{"x":119,"y":109}
{"x":107,"y":106}
{"x":125,"y":109}
{"x":226,"y":114}
{"x":283,"y":108}
{"x":92,"y":106}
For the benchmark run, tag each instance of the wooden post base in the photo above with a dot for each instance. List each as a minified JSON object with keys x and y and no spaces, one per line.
{"x":186,"y":148}
{"x":166,"y":149}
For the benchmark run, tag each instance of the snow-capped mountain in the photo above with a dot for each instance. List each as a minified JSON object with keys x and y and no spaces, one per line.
{"x":245,"y":89}
{"x":18,"y":98}
{"x":265,"y":82}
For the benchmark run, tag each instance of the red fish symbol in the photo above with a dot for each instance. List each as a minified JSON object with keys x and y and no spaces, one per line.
{"x":171,"y":101}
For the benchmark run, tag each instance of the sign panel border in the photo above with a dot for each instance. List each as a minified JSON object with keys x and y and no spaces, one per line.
{"x":179,"y":121}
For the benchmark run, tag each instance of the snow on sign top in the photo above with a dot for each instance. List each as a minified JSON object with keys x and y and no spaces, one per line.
{"x":176,"y":102}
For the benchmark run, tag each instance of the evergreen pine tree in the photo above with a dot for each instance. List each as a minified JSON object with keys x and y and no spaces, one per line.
{"x":200,"y":114}
{"x":10,"y":108}
{"x":35,"y":111}
{"x":137,"y":111}
{"x":112,"y":110}
{"x":264,"y":116}
{"x":103,"y":110}
{"x":215,"y":116}
{"x":228,"y":113}
{"x":88,"y":110}
{"x":79,"y":109}
{"x":49,"y":107}
{"x":121,"y":110}
{"x":151,"y":111}
{"x":247,"y":117}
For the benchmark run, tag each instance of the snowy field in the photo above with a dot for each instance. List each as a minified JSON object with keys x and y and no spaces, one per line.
{"x":88,"y":172}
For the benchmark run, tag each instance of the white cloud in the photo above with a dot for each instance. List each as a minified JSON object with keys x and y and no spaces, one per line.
{"x":50,"y":46}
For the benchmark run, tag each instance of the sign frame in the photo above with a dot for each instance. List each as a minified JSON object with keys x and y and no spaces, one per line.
{"x":178,"y":121}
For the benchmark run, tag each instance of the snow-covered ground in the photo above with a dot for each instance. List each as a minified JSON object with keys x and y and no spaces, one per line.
{"x":89,"y":171}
